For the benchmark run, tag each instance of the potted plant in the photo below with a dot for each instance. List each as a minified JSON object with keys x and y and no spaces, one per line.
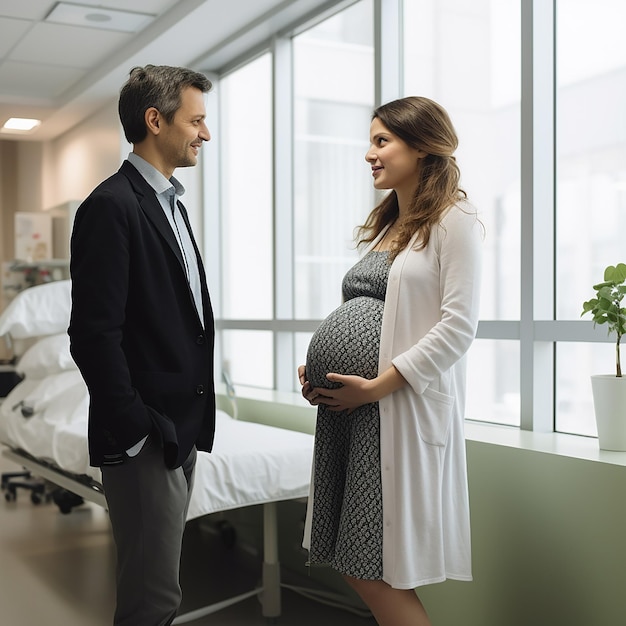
{"x":609,"y":391}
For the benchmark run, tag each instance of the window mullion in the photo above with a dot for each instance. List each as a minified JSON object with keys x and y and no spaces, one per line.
{"x":537,"y":219}
{"x":283,"y":213}
{"x":388,"y":58}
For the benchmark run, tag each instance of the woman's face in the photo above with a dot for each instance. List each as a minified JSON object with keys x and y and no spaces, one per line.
{"x":395,"y":165}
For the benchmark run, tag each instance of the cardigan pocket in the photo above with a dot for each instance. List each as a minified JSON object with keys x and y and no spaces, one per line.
{"x":434,"y":417}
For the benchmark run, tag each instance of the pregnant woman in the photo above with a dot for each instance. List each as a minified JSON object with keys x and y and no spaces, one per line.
{"x":389,"y":505}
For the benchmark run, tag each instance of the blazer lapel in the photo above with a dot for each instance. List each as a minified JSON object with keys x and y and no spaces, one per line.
{"x":153,"y":209}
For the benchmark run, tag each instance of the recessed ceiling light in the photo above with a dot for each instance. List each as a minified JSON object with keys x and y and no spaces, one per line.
{"x":20,"y":124}
{"x":97,"y":17}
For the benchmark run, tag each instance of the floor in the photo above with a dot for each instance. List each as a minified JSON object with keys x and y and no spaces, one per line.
{"x":57,"y":569}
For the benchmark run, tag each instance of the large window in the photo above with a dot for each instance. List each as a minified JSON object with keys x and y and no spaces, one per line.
{"x":246,"y":225}
{"x":303,"y":212}
{"x":466,"y":56}
{"x":246,"y":152}
{"x":542,"y":154}
{"x":333,"y":73}
{"x":591,"y":184}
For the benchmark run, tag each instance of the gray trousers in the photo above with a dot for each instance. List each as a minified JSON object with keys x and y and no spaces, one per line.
{"x":147,"y":507}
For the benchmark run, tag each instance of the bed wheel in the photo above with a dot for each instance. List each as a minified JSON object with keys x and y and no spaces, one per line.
{"x":66,"y":500}
{"x":10,"y":495}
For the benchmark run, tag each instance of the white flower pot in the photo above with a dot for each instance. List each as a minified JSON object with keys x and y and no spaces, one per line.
{"x":609,"y":400}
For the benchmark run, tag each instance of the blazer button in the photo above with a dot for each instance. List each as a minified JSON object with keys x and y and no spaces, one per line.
{"x":200,"y":339}
{"x":200,"y":390}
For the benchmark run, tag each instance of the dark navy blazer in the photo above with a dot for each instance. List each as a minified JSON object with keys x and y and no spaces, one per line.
{"x":135,"y":334}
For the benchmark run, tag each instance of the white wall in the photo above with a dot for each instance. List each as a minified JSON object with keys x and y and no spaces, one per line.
{"x":29,"y":184}
{"x":74,"y":163}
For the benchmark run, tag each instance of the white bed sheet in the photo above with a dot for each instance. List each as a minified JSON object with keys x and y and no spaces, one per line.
{"x":250,"y":463}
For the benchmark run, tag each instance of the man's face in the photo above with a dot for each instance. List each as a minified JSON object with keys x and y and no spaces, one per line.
{"x":180,"y":141}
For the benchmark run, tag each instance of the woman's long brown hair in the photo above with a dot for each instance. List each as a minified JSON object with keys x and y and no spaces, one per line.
{"x":424,"y":125}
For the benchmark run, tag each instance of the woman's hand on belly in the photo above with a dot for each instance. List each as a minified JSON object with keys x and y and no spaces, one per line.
{"x":314,"y":396}
{"x":355,"y":391}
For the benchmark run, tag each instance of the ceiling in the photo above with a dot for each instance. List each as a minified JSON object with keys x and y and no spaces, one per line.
{"x":63,"y":72}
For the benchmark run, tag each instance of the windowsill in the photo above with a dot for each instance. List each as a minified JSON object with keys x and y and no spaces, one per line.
{"x":573,"y":446}
{"x":267,"y":395}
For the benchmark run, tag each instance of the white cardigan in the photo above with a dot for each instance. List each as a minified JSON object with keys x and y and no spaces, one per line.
{"x":429,"y":322}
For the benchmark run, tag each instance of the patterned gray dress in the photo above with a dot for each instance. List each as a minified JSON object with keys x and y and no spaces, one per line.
{"x":347,"y":510}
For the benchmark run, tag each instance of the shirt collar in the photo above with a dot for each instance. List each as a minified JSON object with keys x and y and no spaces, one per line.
{"x":154,"y":178}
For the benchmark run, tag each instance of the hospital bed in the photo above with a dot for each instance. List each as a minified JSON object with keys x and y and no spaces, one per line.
{"x":43,"y":426}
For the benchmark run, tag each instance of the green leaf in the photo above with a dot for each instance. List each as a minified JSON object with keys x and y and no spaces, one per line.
{"x":615,"y":274}
{"x":601,"y":285}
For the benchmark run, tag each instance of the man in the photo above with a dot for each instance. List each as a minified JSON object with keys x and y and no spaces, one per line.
{"x":142,"y":334}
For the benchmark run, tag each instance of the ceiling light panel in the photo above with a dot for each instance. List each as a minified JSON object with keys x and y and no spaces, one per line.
{"x":21,"y":124}
{"x":98,"y":17}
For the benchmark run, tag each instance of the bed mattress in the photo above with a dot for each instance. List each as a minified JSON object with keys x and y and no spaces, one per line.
{"x":250,"y":463}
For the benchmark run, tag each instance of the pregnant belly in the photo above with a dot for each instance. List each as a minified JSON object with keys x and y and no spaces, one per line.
{"x":346,"y":342}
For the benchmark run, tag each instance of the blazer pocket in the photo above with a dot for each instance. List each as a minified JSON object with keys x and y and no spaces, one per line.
{"x":165,"y":430}
{"x":434,"y":417}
